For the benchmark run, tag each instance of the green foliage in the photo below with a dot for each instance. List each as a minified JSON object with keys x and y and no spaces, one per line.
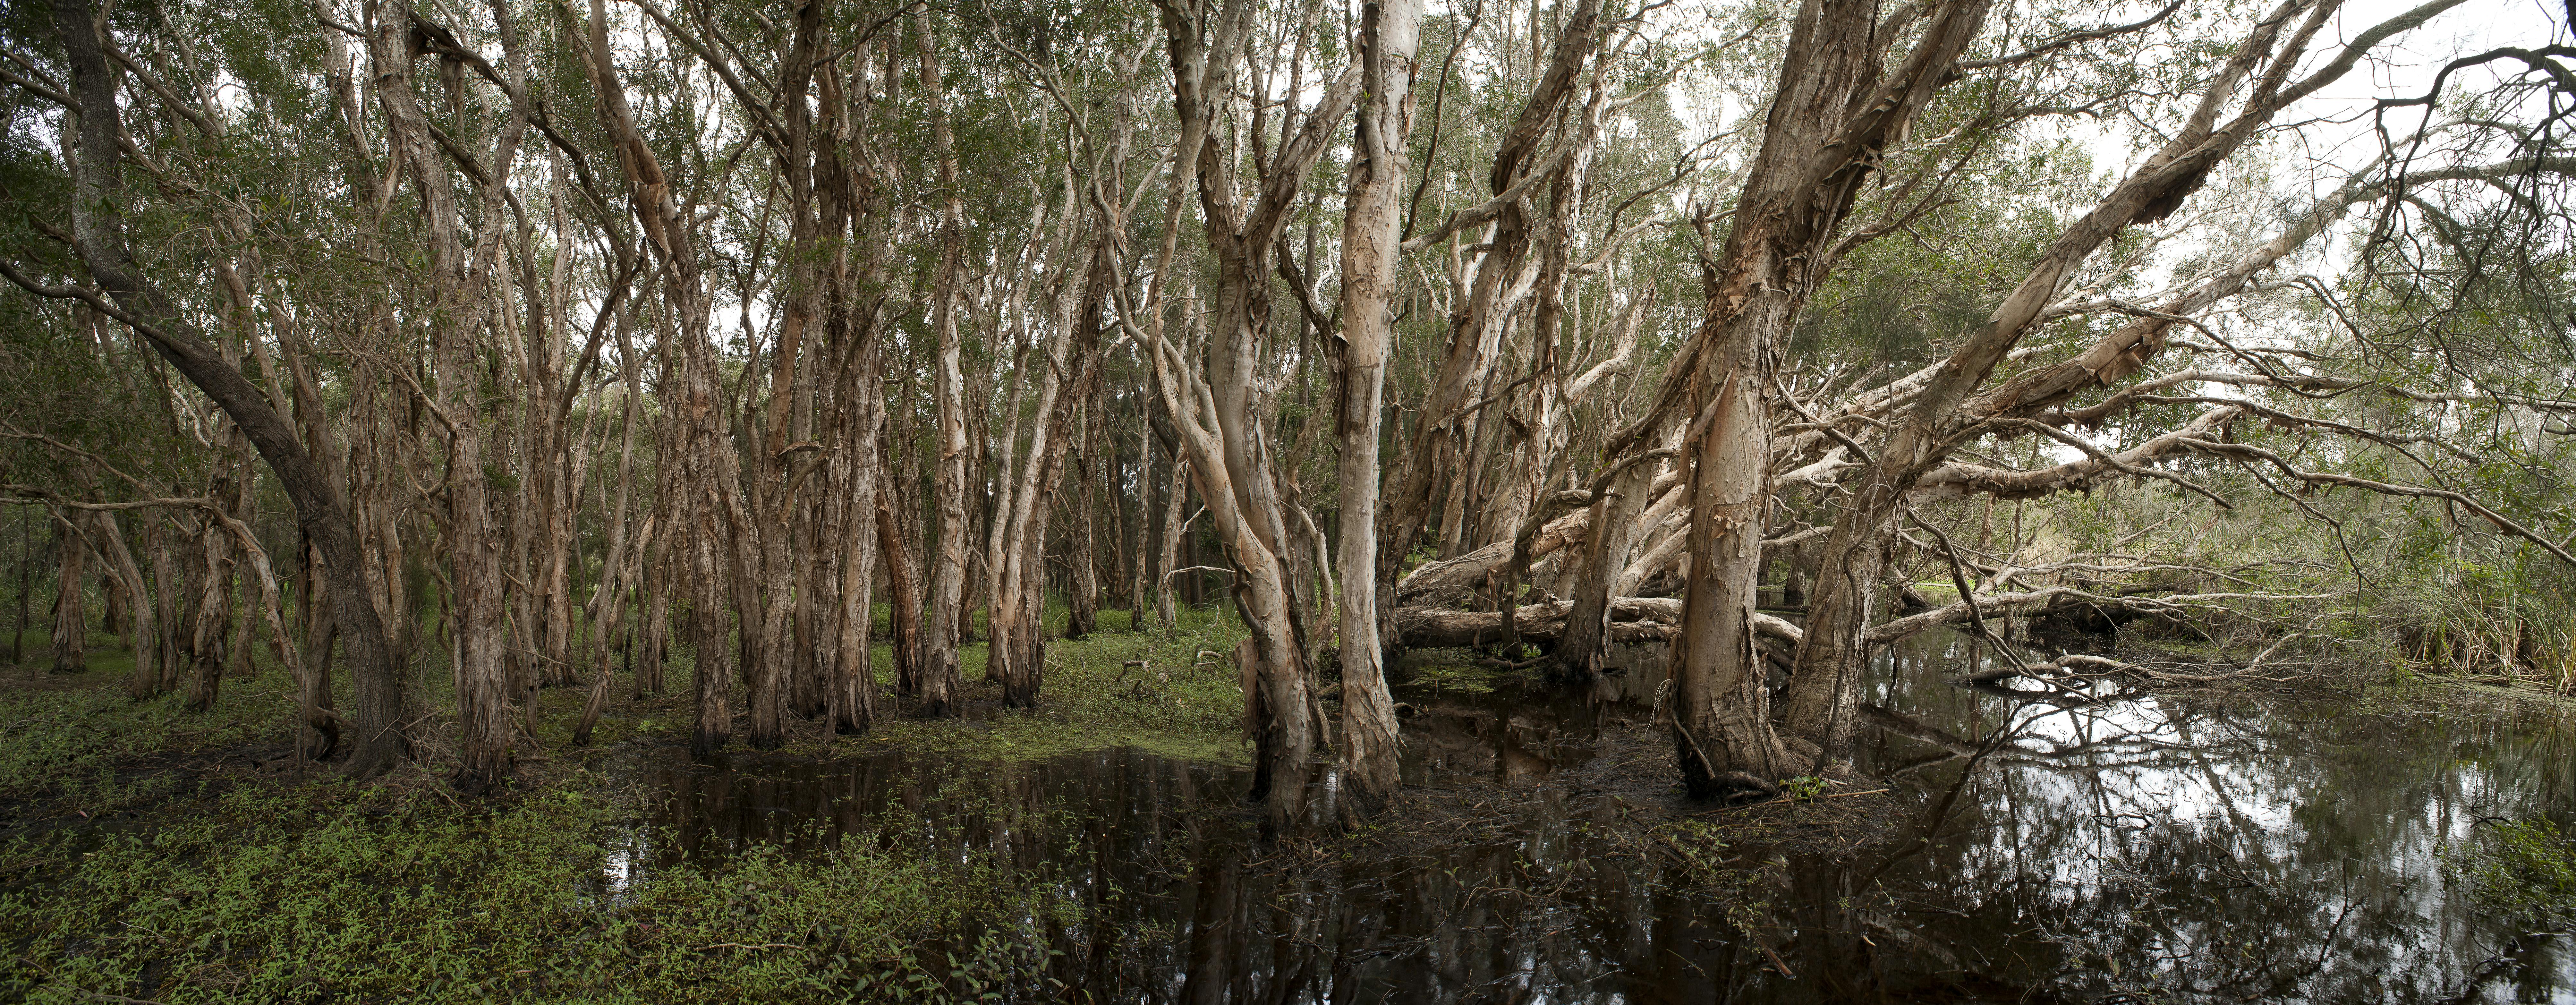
{"x":1184,"y":701}
{"x":75,"y":743}
{"x":320,"y":891}
{"x":2524,"y":870}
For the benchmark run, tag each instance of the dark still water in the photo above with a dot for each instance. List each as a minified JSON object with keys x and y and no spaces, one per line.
{"x":2031,"y":849}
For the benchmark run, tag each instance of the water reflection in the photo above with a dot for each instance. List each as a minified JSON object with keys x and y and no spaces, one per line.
{"x":2063,"y":846}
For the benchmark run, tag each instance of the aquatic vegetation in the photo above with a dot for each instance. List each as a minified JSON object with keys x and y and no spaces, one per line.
{"x":329,"y":890}
{"x":2523,"y":870}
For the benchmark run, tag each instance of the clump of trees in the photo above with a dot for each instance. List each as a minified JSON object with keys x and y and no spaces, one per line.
{"x":537,"y":342}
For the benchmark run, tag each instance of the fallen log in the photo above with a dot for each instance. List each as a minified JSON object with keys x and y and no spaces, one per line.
{"x":1450,"y":580}
{"x":1633,"y":620}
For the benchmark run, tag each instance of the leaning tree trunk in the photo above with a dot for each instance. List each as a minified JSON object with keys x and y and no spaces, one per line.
{"x":1580,"y":653}
{"x":1825,"y":687}
{"x":1832,"y":117}
{"x":142,"y":622}
{"x":1214,"y":414}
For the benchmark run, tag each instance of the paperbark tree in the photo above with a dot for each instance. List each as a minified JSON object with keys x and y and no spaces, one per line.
{"x":321,"y":511}
{"x":944,"y":614}
{"x":1372,"y":232}
{"x":1836,"y":110}
{"x":71,"y":605}
{"x":1228,"y":450}
{"x":1823,"y":690}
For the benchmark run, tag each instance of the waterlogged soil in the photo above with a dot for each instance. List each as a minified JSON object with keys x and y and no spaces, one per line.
{"x":2059,"y":846}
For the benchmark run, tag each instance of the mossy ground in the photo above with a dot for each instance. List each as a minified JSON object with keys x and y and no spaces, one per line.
{"x":152,"y":853}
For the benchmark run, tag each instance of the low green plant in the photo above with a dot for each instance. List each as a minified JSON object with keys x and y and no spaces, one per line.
{"x":325,"y":891}
{"x":2524,"y":870}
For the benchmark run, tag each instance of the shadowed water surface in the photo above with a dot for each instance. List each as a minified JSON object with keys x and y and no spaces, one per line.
{"x":2033,"y":848}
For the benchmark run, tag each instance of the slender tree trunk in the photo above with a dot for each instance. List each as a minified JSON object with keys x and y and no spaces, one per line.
{"x":213,"y":617}
{"x":27,"y":586}
{"x":903,"y":598}
{"x":1580,"y":652}
{"x":142,"y":622}
{"x":148,"y":617}
{"x":1390,"y":34}
{"x":1176,"y":494}
{"x":945,"y":626}
{"x":1082,"y":577}
{"x":321,"y":736}
{"x":169,"y":584}
{"x":1017,"y":653}
{"x":71,"y":609}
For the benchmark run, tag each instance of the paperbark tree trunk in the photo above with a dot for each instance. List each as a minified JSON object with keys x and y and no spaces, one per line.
{"x":1176,"y":495}
{"x":1580,"y":653}
{"x":318,"y":741}
{"x":1214,"y":414}
{"x":143,"y":623}
{"x":1823,"y":690}
{"x":1831,"y":118}
{"x":98,"y":230}
{"x":944,"y":624}
{"x":71,"y":604}
{"x":1082,"y":573}
{"x":473,"y":538}
{"x":903,"y":595}
{"x":1017,"y":654}
{"x":212,"y":620}
{"x":1372,"y":226}
{"x":852,"y":694}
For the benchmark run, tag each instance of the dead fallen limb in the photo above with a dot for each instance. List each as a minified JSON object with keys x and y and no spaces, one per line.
{"x":1633,"y":621}
{"x":2066,"y":596}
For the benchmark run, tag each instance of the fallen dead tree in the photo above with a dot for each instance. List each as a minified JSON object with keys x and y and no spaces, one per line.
{"x":1633,"y":621}
{"x":1650,"y":620}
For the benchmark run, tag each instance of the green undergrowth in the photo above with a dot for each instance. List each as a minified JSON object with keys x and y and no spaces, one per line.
{"x":242,"y":885}
{"x":2523,"y":870}
{"x":78,"y":738}
{"x":1183,"y":701}
{"x":331,"y":891}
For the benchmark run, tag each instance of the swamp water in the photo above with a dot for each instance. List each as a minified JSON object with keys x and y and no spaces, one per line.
{"x":2120,"y":849}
